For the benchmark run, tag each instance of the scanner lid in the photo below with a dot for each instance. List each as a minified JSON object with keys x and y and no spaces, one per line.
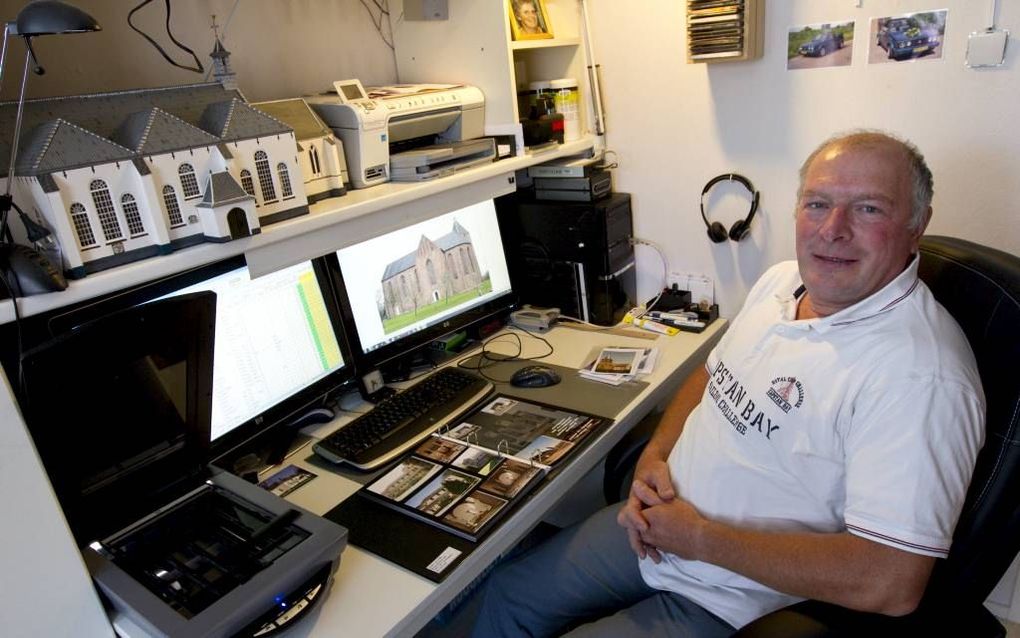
{"x":120,"y":409}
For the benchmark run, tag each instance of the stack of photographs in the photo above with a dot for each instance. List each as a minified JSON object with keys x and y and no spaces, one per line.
{"x":615,"y":366}
{"x":466,"y":478}
{"x":715,"y":28}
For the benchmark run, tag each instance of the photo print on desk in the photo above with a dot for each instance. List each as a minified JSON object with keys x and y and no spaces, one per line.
{"x":287,"y":480}
{"x":404,"y":479}
{"x":618,"y":361}
{"x":442,"y":492}
{"x":440,"y":450}
{"x":474,"y":511}
{"x":510,"y":478}
{"x":477,"y":461}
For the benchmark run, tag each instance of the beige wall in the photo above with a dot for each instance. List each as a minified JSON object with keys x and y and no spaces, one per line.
{"x":675,"y":125}
{"x":280,"y":48}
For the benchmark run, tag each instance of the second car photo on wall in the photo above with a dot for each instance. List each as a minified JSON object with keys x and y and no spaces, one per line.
{"x":814,"y":46}
{"x":908,"y":37}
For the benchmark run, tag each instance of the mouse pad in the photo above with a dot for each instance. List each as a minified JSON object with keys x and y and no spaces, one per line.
{"x":572,"y":392}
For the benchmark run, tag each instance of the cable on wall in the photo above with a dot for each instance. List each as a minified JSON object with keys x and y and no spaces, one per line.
{"x":198,"y":68}
{"x":665,"y":270}
{"x":384,"y":14}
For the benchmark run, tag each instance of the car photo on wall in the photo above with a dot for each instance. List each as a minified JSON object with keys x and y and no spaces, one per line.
{"x":909,"y":37}
{"x":822,"y":44}
{"x":814,"y":46}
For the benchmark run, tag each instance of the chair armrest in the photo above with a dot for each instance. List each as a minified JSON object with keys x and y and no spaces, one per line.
{"x":620,"y":460}
{"x":813,"y":619}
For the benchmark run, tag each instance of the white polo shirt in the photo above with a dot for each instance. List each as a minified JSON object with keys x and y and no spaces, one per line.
{"x":867,"y":421}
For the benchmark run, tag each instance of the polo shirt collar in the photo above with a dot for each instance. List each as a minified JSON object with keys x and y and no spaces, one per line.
{"x":895,"y":292}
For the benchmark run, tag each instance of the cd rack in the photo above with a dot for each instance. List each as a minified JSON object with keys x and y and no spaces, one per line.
{"x":724,"y":30}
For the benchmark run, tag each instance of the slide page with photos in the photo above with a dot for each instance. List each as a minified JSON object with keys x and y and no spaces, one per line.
{"x":464,"y":479}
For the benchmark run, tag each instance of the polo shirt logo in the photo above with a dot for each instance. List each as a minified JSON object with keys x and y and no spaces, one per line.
{"x":730,"y":396}
{"x":782,"y":388}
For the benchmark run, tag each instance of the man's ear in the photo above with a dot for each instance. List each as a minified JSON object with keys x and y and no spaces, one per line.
{"x":924,"y":225}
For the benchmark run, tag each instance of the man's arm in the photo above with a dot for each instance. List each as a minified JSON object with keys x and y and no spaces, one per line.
{"x":652,"y":482}
{"x":838,"y":568}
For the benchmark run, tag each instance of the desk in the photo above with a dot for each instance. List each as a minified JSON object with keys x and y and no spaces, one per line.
{"x":373,"y":597}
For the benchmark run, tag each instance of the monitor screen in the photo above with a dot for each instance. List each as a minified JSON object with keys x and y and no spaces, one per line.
{"x":274,"y":337}
{"x":277,"y":349}
{"x":415,"y":284}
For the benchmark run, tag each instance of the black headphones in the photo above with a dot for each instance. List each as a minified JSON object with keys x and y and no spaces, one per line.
{"x":740,"y":229}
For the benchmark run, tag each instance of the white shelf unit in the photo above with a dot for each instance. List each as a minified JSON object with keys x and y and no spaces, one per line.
{"x":331,"y":224}
{"x":474,"y":46}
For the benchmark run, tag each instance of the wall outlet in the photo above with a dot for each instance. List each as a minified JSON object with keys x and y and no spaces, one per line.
{"x":701,"y":286}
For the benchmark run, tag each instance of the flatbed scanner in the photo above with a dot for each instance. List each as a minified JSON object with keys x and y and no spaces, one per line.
{"x":119,"y":411}
{"x":371,"y":122}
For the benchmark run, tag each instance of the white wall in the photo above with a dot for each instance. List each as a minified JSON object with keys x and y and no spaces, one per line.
{"x":675,"y":125}
{"x":278,"y":49}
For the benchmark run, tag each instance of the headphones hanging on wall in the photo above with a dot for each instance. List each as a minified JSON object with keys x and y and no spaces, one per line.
{"x":740,"y":229}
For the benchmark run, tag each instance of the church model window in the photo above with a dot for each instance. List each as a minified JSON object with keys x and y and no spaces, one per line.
{"x":173,"y":208}
{"x":281,"y":170}
{"x":104,"y":208}
{"x":265,"y":177}
{"x":131,"y":214}
{"x":246,"y":183}
{"x":82,"y":226}
{"x":188,"y":182}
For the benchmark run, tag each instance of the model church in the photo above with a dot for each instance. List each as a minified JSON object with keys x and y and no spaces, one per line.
{"x":132,"y":174}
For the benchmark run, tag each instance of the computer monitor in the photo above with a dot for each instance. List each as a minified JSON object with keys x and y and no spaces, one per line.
{"x":278,"y":347}
{"x":404,"y":289}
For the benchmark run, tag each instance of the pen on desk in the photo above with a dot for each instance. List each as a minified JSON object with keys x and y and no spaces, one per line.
{"x":655,"y":326}
{"x":676,"y":320}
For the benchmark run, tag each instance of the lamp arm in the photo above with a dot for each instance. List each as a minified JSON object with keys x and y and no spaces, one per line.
{"x":3,"y":52}
{"x":17,"y":122}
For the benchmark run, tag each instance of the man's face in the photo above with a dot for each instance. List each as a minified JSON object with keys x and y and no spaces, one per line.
{"x":852,"y":224}
{"x":529,"y":15}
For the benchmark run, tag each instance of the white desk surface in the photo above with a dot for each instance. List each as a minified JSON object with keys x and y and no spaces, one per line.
{"x":374,"y":597}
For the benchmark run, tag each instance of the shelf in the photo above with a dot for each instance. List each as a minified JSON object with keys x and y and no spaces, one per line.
{"x":331,"y":224}
{"x":520,"y":45}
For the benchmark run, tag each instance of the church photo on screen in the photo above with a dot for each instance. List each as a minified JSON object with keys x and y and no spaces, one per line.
{"x":416,"y":276}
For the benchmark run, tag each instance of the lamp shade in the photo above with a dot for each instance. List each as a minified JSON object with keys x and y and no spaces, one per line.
{"x":48,"y":17}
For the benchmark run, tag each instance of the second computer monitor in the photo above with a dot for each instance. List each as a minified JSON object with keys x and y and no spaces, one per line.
{"x":413,"y":285}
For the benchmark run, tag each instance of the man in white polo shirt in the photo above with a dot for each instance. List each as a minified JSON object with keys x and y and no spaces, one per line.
{"x":827,"y":445}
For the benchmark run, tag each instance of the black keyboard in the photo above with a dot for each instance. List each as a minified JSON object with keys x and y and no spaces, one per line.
{"x":399,"y":422}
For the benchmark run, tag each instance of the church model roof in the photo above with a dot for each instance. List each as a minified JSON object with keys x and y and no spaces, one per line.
{"x":139,"y":121}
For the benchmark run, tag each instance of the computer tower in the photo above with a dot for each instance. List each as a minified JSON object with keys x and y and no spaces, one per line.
{"x":576,"y":256}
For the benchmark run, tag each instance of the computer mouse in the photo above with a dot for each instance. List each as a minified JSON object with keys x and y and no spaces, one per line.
{"x":534,"y":377}
{"x":318,"y":415}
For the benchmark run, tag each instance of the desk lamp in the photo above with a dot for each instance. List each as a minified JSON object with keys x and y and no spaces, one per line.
{"x":44,"y":17}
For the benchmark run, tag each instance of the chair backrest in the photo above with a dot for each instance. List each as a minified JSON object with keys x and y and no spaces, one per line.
{"x":980,"y":287}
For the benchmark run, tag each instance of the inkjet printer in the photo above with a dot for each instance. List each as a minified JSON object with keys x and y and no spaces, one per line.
{"x":119,"y":411}
{"x":374,"y":123}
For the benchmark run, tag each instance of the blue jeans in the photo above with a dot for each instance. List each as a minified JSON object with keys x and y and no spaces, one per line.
{"x":586,"y":579}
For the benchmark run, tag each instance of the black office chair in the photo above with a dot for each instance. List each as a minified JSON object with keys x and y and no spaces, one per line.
{"x":980,"y":287}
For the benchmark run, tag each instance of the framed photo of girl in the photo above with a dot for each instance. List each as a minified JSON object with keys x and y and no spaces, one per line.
{"x":529,"y":20}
